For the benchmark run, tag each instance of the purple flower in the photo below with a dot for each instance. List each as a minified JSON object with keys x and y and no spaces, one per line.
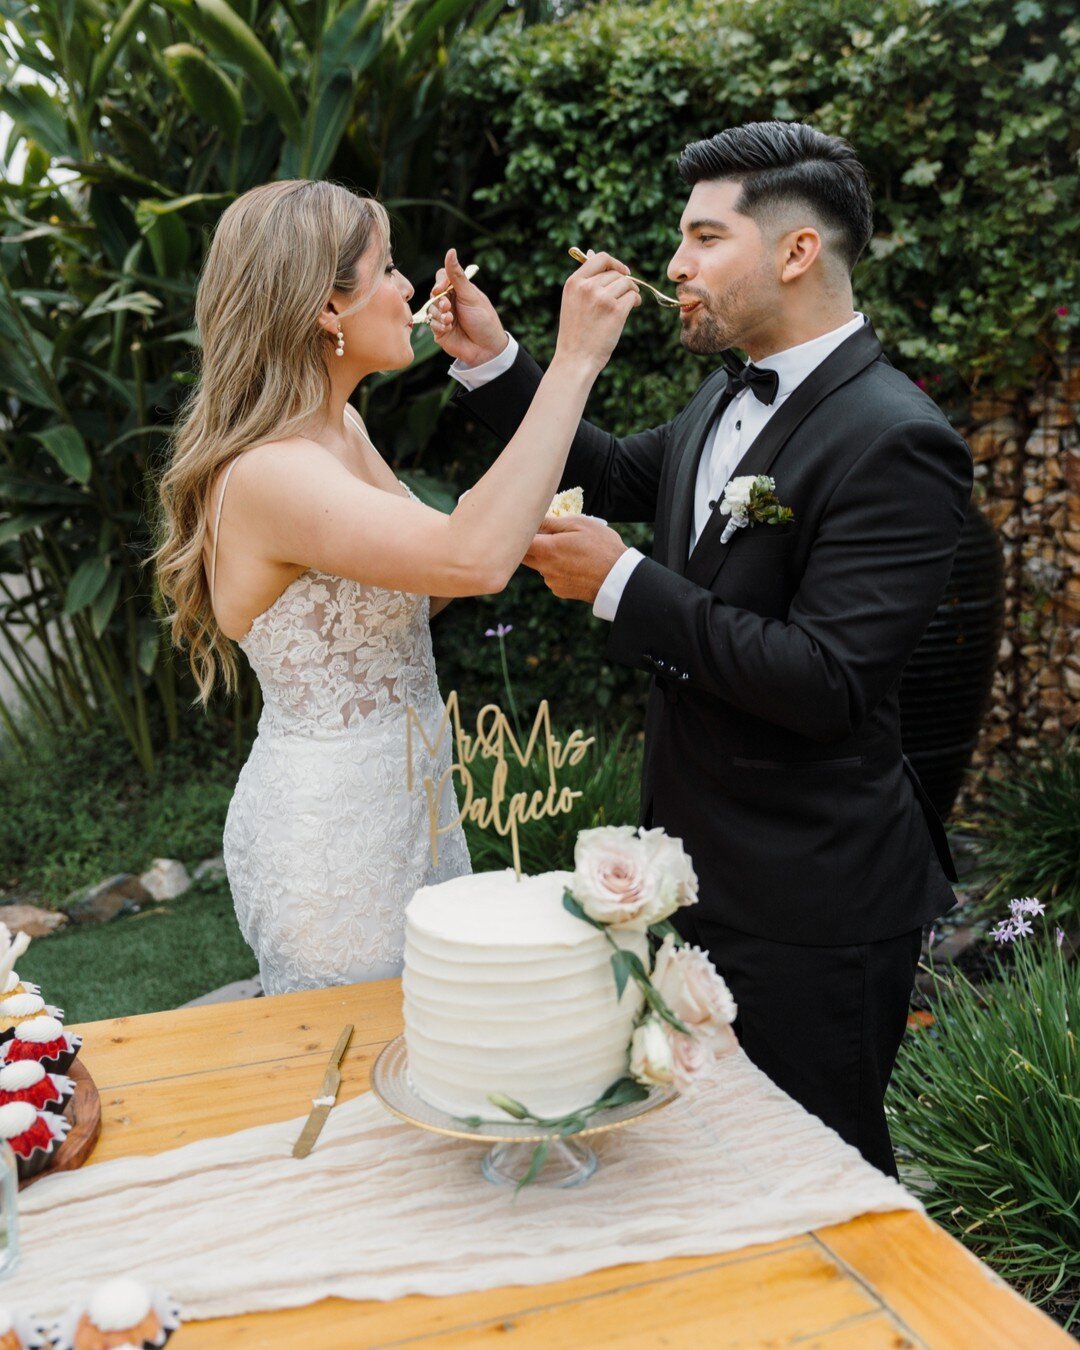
{"x":1062,"y":310}
{"x":1022,"y":927}
{"x":1060,"y":936}
{"x":501,"y":631}
{"x":921,"y":383}
{"x":1004,"y":932}
{"x":930,"y":939}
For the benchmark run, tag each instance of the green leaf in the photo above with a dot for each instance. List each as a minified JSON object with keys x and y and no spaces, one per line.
{"x":622,"y":963}
{"x":86,"y":584}
{"x":149,"y":646}
{"x":208,"y":91}
{"x":536,"y":1163}
{"x":167,"y":235}
{"x":38,"y":492}
{"x":328,"y":124}
{"x":120,"y":34}
{"x":37,"y":116}
{"x":572,"y":907}
{"x":223,"y":29}
{"x":16,"y":526}
{"x":101,"y":611}
{"x":69,"y":450}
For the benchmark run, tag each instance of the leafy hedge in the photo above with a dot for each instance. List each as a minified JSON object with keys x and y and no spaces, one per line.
{"x":965,"y":114}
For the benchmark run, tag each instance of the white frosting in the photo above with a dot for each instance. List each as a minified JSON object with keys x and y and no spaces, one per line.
{"x":119,"y":1305}
{"x":22,"y":1074}
{"x":22,"y":1005}
{"x":39,"y":1030}
{"x":13,"y":982}
{"x":504,"y":991}
{"x":16,"y":1118}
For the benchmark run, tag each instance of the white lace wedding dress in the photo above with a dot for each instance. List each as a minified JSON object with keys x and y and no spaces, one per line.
{"x":324,"y":843}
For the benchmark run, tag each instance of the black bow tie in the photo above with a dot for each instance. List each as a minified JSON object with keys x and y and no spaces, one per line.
{"x":764,"y":383}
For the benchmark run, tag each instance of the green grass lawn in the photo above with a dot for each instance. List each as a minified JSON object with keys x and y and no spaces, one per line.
{"x":143,"y":962}
{"x":79,"y":811}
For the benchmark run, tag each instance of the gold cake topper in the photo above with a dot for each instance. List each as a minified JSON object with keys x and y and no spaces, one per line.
{"x":504,"y":811}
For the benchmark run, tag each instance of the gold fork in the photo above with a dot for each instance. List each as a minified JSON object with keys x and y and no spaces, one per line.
{"x":661,"y":299}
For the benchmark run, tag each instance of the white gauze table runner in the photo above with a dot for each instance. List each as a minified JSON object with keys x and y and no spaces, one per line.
{"x":381,"y":1209}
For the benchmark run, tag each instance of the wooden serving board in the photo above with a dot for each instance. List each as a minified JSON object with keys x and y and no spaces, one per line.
{"x":84,"y":1112}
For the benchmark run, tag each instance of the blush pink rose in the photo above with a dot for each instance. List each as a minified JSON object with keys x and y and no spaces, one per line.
{"x":689,"y":984}
{"x":610,"y":881}
{"x":690,"y":1059}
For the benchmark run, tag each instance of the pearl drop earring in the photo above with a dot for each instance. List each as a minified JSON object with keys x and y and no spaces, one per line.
{"x":340,"y":349}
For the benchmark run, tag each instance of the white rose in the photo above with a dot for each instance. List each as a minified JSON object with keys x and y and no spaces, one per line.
{"x":690,"y":1058}
{"x":610,"y":881}
{"x":651,"y":1060}
{"x":737,"y":496}
{"x":689,"y":984}
{"x":671,"y":875}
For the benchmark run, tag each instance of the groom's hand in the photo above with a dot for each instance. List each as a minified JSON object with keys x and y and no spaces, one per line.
{"x":574,"y":554}
{"x":476,"y":335}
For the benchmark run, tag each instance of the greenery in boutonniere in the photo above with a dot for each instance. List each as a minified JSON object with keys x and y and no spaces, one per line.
{"x":752,"y":501}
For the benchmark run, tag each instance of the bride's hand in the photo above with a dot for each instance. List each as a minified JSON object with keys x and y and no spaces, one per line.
{"x":597,"y":299}
{"x":474,"y":334}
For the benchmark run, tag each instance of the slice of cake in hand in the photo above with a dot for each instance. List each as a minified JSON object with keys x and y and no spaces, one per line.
{"x":568,"y":503}
{"x":505,"y":992}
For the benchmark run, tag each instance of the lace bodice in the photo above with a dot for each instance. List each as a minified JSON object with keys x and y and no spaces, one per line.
{"x":333,"y":654}
{"x":327,"y":838}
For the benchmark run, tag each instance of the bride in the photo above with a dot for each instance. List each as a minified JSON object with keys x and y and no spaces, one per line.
{"x":286,"y":533}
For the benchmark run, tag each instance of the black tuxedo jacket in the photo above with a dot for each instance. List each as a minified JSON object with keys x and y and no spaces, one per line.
{"x":772,"y":741}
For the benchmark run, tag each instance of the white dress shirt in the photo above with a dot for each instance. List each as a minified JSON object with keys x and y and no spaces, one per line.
{"x":731,"y":435}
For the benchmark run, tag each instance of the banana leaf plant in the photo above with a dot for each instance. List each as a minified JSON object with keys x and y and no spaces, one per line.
{"x":128,"y":132}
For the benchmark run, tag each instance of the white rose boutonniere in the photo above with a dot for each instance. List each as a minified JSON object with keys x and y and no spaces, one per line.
{"x":752,"y":501}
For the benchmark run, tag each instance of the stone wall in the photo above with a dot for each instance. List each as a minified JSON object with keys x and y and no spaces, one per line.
{"x":1027,"y":480}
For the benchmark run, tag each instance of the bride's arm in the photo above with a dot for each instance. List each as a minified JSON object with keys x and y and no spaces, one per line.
{"x":303,"y":508}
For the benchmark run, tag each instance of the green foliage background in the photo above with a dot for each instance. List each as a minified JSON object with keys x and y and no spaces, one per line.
{"x":966,"y":113}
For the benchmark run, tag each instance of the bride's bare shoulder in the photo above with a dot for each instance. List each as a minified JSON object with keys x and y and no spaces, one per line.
{"x":286,"y":466}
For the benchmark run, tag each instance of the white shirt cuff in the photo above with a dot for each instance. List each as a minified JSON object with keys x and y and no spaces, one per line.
{"x":610,"y":592}
{"x":472,"y":377}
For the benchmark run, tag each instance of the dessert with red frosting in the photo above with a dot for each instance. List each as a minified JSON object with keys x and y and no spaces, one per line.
{"x":43,"y":1039}
{"x":27,"y":1081}
{"x":34,"y":1136}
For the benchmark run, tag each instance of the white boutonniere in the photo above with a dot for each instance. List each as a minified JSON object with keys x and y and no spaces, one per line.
{"x":752,"y":501}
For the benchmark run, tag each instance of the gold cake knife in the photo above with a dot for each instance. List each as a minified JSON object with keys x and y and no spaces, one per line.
{"x":325,"y":1101}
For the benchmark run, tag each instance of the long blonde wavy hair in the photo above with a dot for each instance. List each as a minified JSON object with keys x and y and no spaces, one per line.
{"x":277,"y":254}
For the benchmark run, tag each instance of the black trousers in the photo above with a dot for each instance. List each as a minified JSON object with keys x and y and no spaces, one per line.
{"x":824,"y":1023}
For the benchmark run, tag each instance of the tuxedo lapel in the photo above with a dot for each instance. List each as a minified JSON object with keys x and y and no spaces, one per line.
{"x":712,"y":401}
{"x":852,"y":356}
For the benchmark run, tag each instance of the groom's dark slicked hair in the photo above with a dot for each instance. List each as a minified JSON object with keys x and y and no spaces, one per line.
{"x":778,"y":162}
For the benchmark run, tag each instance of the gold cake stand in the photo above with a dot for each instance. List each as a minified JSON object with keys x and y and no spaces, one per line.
{"x":569,"y":1161}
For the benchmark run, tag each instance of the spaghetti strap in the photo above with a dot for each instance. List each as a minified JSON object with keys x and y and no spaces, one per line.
{"x":355,"y":419}
{"x":217,"y":527}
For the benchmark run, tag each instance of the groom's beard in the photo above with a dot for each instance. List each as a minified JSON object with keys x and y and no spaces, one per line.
{"x":715,"y":326}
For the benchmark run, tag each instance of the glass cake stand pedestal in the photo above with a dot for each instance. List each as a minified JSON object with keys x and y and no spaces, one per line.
{"x":570,"y":1160}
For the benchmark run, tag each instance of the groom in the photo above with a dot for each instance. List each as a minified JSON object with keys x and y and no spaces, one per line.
{"x":772,"y":741}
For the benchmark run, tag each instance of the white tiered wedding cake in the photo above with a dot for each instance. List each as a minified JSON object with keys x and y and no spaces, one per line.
{"x":507,"y":992}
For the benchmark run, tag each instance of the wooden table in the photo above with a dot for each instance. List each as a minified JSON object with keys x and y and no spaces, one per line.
{"x":892,"y":1280}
